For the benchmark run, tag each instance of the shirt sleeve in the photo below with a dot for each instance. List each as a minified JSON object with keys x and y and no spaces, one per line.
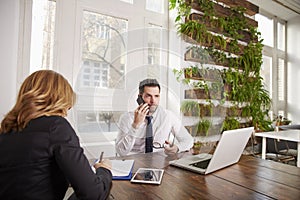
{"x":184,"y":140}
{"x":75,"y":166}
{"x":127,"y":135}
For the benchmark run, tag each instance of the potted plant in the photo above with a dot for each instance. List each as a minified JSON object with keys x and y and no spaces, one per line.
{"x":281,"y":121}
{"x":206,"y":110}
{"x":196,"y":147}
{"x":190,"y":108}
{"x":230,"y":123}
{"x":203,"y":127}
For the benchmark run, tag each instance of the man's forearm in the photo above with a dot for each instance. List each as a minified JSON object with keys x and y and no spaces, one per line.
{"x":124,"y":144}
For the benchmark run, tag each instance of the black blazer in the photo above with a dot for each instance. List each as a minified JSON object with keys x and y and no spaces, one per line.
{"x":43,"y":159}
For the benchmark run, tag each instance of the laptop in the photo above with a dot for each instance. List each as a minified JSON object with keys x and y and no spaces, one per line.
{"x":228,"y":152}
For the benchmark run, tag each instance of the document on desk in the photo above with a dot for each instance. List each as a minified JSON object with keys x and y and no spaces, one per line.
{"x":122,"y":169}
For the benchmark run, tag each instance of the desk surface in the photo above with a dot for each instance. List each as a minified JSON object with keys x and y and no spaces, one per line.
{"x":252,"y":178}
{"x":290,"y":135}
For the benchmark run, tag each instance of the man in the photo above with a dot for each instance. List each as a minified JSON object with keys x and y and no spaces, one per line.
{"x":164,"y":124}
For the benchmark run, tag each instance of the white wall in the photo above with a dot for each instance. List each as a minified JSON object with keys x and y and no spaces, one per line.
{"x":293,"y":49}
{"x":9,"y":23}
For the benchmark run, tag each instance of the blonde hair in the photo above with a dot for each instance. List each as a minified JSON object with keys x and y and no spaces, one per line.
{"x":43,"y":93}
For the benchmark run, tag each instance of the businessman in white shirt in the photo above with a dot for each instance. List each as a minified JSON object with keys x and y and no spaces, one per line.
{"x":167,"y":131}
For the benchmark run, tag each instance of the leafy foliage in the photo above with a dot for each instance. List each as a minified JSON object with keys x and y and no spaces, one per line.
{"x":244,"y":65}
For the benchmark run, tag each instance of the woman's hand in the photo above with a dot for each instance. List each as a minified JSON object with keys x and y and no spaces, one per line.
{"x":105,"y":163}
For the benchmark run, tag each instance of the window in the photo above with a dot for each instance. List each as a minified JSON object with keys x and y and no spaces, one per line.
{"x":42,"y":34}
{"x":274,"y":70}
{"x":266,"y":72}
{"x":103,"y":45}
{"x":117,"y":50}
{"x":281,"y":36}
{"x":154,"y":39}
{"x":266,"y":28}
{"x":281,"y":80}
{"x":103,"y":48}
{"x":154,"y":44}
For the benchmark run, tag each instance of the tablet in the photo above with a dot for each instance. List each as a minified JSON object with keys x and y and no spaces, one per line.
{"x":148,"y":175}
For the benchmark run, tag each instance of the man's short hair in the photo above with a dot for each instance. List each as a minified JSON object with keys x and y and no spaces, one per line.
{"x":148,"y":82}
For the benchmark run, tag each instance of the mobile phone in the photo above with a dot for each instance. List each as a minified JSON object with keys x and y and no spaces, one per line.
{"x":140,"y":100}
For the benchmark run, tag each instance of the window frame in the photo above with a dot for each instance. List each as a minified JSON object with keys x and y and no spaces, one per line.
{"x":278,"y":106}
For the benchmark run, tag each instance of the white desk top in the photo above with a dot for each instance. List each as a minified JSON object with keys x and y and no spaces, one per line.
{"x":290,"y":135}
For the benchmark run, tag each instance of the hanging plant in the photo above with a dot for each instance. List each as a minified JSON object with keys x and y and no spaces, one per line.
{"x":190,"y":108}
{"x":203,"y":127}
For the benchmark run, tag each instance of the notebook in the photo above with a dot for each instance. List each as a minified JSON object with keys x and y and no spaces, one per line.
{"x":122,"y":169}
{"x":228,"y":152}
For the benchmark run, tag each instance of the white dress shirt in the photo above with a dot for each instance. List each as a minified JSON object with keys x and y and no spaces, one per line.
{"x":164,"y":121}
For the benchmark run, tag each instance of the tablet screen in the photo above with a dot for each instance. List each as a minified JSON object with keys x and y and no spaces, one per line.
{"x":148,"y":175}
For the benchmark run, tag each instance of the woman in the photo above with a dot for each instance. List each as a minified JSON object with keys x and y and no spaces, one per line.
{"x":39,"y":150}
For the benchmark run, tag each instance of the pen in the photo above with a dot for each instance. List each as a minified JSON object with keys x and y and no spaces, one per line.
{"x":101,"y":156}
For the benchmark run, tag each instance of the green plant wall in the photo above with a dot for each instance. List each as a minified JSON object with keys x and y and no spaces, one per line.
{"x":238,"y":49}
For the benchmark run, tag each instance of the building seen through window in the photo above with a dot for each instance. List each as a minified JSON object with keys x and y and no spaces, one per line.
{"x":103,"y":46}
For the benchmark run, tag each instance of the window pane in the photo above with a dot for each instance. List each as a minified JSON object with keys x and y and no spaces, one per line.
{"x":281,"y":80}
{"x":104,"y":43}
{"x":154,"y":44}
{"x":97,"y":121}
{"x":266,"y":73}
{"x":281,"y":36}
{"x":155,"y":6}
{"x":154,"y":50}
{"x":266,"y":28}
{"x":42,"y":34}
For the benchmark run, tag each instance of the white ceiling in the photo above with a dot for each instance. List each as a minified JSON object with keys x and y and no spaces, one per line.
{"x":285,"y":9}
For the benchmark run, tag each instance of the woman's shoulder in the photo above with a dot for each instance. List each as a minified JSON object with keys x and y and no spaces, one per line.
{"x":57,"y":125}
{"x":48,"y":122}
{"x":49,"y":119}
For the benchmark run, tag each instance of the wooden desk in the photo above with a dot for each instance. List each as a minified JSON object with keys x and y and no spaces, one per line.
{"x":252,"y":178}
{"x":289,"y":135}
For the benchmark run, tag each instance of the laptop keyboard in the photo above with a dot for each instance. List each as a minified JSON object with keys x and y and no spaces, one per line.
{"x":201,"y":164}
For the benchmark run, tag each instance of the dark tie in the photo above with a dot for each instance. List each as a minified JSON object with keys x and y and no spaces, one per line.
{"x":149,"y":135}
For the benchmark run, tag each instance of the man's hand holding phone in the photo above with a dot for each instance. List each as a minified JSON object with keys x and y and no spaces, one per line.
{"x":140,"y":113}
{"x":140,"y":100}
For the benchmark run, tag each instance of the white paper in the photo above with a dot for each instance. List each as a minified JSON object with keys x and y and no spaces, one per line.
{"x":121,"y":167}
